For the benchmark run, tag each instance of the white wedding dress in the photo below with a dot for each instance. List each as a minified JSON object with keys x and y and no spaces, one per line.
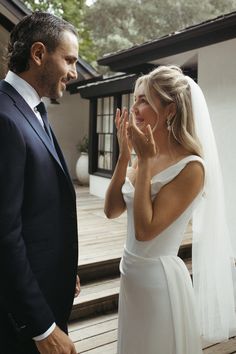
{"x":157,"y":312}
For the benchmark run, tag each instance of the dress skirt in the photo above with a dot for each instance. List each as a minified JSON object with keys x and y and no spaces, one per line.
{"x":156,"y":307}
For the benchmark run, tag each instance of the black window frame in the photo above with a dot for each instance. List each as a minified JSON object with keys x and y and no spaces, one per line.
{"x":93,"y":156}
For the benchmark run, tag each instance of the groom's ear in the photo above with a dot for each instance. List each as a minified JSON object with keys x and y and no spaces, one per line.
{"x":37,"y":53}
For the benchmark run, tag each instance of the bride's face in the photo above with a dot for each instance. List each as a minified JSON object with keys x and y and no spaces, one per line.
{"x":143,"y":112}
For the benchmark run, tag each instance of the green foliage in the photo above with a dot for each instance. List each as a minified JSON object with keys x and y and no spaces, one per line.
{"x":72,"y":11}
{"x":108,"y":26}
{"x":83,"y":145}
{"x":120,"y":24}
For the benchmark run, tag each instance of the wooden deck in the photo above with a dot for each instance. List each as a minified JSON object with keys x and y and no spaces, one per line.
{"x":99,"y":336}
{"x":99,"y":238}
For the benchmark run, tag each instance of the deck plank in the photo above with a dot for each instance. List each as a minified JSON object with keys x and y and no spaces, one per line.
{"x":91,"y":331}
{"x":104,"y":349}
{"x":90,"y":322}
{"x":99,"y":238}
{"x":97,"y":341}
{"x":99,"y":335}
{"x":228,"y":347}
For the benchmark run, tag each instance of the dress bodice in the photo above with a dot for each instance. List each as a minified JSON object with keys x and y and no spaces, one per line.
{"x":169,"y":240}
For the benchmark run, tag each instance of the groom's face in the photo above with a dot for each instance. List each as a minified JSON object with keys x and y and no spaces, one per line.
{"x":59,"y":67}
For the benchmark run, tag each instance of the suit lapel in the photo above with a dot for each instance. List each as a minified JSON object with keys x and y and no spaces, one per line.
{"x":29,"y":115}
{"x":62,"y":160}
{"x":33,"y":121}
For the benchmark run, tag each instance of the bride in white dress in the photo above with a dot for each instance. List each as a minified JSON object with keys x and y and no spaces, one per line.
{"x":157,"y":305}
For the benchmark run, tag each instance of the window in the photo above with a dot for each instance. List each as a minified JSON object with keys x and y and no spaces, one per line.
{"x":104,"y":142}
{"x":105,"y":124}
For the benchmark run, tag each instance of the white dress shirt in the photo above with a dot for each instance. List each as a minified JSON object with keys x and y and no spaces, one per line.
{"x":26,"y":91}
{"x":32,"y":99}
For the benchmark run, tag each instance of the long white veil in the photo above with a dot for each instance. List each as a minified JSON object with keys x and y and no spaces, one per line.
{"x":212,"y":254}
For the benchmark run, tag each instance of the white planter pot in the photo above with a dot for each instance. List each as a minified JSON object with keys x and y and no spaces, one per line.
{"x":81,"y":169}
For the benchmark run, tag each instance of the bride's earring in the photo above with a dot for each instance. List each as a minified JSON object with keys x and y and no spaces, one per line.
{"x":168,"y":123}
{"x":170,"y":127}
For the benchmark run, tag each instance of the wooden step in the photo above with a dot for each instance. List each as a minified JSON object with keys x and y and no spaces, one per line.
{"x":110,"y":267}
{"x":99,"y":335}
{"x":96,"y":335}
{"x":228,"y":347}
{"x":100,"y":296}
{"x":99,"y":270}
{"x":97,"y":297}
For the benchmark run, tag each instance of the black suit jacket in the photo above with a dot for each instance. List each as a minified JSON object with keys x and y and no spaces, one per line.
{"x":38,"y":227}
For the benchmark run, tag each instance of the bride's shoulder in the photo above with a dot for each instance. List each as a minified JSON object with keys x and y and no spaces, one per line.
{"x":193,"y":161}
{"x":193,"y":172}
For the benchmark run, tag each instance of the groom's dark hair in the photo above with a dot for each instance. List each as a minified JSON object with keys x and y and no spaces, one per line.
{"x":37,"y":27}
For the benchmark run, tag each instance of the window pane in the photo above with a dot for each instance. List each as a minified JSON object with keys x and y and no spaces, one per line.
{"x":106,"y":124}
{"x":125,"y":101}
{"x":107,"y":142}
{"x":100,"y":161}
{"x":107,"y":161}
{"x":111,"y":124}
{"x":101,"y":142}
{"x":112,"y":105}
{"x":99,"y":106}
{"x":131,"y":100}
{"x":106,"y":108}
{"x":99,"y":124}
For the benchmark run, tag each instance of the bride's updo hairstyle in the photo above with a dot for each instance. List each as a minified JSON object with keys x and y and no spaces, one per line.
{"x":171,"y":86}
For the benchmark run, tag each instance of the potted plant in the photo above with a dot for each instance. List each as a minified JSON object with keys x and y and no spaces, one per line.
{"x":81,"y":168}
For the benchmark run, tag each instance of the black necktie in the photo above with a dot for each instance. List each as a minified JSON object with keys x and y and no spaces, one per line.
{"x":42,"y":110}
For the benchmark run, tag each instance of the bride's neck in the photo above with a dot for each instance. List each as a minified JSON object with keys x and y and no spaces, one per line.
{"x":168,"y":147}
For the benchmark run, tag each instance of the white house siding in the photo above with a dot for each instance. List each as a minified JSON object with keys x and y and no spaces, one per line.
{"x":98,"y":185}
{"x":70,"y":121}
{"x":217,"y":78}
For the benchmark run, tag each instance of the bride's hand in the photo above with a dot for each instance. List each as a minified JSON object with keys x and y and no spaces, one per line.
{"x":121,"y":121}
{"x":143,"y":142}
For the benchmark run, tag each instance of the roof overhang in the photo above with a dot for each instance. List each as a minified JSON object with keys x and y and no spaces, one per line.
{"x":210,"y":32}
{"x":85,"y":74}
{"x":11,"y":12}
{"x":109,"y":86}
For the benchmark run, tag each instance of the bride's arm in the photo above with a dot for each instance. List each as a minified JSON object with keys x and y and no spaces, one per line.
{"x":114,"y":203}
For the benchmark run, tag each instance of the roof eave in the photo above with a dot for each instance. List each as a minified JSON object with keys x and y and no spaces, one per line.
{"x":16,"y":7}
{"x":192,"y":38}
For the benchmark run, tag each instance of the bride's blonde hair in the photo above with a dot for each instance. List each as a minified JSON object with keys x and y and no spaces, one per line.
{"x":171,"y":86}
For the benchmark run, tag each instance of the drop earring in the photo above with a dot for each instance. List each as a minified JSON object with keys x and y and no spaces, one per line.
{"x":168,"y":123}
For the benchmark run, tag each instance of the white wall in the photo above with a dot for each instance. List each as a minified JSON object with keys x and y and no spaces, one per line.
{"x":217,"y":78}
{"x":98,"y":185}
{"x":70,"y":122}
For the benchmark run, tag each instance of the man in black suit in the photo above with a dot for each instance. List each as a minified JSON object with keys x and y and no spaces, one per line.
{"x":38,"y":227}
